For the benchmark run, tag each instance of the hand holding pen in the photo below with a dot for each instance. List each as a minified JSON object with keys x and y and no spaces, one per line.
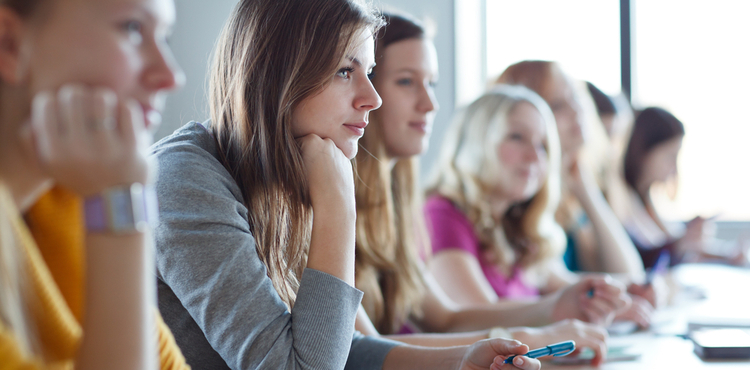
{"x":653,"y":290}
{"x":557,"y":349}
{"x":595,"y":299}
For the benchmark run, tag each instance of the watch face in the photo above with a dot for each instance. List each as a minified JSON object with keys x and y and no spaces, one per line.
{"x":121,"y":210}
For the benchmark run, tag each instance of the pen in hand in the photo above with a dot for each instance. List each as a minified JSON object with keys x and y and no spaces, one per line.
{"x":660,"y":266}
{"x":557,"y":349}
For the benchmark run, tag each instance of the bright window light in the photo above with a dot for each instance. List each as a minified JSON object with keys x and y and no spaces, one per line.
{"x":582,"y":35}
{"x":692,"y":58}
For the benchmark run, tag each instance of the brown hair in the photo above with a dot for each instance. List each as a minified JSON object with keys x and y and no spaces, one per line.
{"x":389,"y":227}
{"x":24,"y":8}
{"x":652,"y":127}
{"x":271,"y":55}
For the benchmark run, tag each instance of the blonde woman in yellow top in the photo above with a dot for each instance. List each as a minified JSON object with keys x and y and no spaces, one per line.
{"x":82,"y":81}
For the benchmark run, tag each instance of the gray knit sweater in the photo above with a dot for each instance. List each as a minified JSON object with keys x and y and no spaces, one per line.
{"x":213,"y":289}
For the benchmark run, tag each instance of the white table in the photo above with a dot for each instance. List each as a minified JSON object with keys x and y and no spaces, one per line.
{"x":727,"y":295}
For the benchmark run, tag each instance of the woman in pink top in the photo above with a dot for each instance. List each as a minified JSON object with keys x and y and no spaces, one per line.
{"x":452,"y":233}
{"x":491,"y":209}
{"x":490,"y":212}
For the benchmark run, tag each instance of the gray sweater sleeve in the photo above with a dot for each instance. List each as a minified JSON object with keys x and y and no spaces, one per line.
{"x":207,"y":257}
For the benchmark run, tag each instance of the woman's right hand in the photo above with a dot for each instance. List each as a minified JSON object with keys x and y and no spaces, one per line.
{"x":640,"y":312}
{"x":697,"y":233}
{"x":331,"y":184}
{"x":87,"y":141}
{"x":491,"y":353}
{"x":584,"y":334}
{"x":329,"y":175}
{"x":577,"y":301}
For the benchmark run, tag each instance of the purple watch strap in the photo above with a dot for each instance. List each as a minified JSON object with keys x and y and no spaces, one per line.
{"x":96,"y":218}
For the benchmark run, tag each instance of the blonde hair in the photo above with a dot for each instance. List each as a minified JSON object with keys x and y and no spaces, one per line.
{"x":390,"y":227}
{"x":527,"y":235}
{"x":538,"y":75}
{"x":13,"y":293}
{"x":13,"y":300}
{"x":271,"y":55}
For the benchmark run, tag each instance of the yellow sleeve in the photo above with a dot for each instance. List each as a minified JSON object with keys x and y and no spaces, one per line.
{"x":12,"y":358}
{"x":170,"y":356}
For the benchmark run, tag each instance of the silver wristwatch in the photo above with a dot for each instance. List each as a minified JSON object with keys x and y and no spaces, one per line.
{"x":125,"y":209}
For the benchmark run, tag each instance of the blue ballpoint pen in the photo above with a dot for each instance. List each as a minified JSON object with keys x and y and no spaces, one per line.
{"x":557,"y":349}
{"x":660,"y":266}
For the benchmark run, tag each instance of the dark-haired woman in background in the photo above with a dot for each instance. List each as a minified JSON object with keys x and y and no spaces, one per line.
{"x":651,"y":158}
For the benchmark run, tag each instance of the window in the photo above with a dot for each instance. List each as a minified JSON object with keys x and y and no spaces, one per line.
{"x":692,"y":58}
{"x":583,"y":35}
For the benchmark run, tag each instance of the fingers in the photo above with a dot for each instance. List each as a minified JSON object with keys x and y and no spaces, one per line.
{"x":131,"y":125}
{"x":86,"y":141}
{"x":73,"y":108}
{"x":44,"y":125}
{"x":103,"y":106}
{"x":598,"y":311}
{"x":584,"y":334}
{"x":594,"y":337}
{"x":519,"y":362}
{"x":611,"y":291}
{"x":645,"y":291}
{"x":640,"y":312}
{"x":608,"y":298}
{"x":508,"y":347}
{"x":308,"y":141}
{"x":313,"y":146}
{"x":329,"y":174}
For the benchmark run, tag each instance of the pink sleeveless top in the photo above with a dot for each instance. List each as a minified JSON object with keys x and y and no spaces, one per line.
{"x":450,"y":229}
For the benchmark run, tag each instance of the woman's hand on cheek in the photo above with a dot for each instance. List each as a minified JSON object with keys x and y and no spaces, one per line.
{"x":329,"y":175}
{"x":491,"y":354}
{"x":88,"y":140}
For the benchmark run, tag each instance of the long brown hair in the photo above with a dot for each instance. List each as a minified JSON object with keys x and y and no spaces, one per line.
{"x":527,"y":234}
{"x":389,"y":228}
{"x":271,"y":55}
{"x":652,"y":127}
{"x":23,"y":8}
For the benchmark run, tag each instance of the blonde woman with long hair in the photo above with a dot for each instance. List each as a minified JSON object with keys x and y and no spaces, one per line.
{"x":81,"y":81}
{"x":400,"y":294}
{"x":492,"y":202}
{"x":255,"y":247}
{"x":596,"y":240}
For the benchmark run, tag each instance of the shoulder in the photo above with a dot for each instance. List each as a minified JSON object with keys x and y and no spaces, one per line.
{"x":439,"y":208}
{"x":192,"y":146}
{"x":188,"y":165}
{"x":438,"y":203}
{"x":448,"y":226}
